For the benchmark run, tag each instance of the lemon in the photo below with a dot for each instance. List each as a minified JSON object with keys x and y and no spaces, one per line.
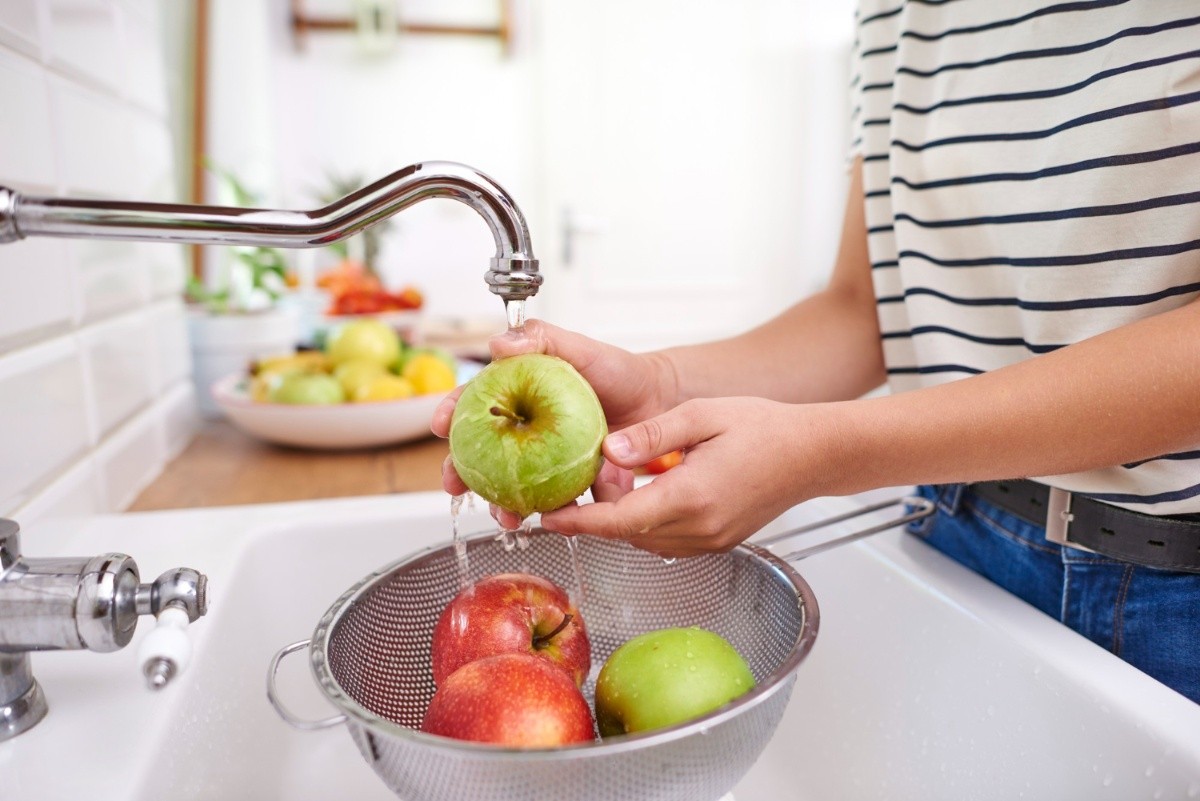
{"x":429,"y":374}
{"x":384,"y":387}
{"x":309,"y":361}
{"x":357,"y":373}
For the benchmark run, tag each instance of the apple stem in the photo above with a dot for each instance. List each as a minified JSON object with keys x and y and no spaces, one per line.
{"x":500,"y":411}
{"x":544,"y":640}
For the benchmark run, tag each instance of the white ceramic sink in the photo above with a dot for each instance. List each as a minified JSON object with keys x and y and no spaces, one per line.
{"x":925,"y":682}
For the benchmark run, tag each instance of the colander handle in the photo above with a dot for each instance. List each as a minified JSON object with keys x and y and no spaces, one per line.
{"x":920,"y":509}
{"x":280,"y":709}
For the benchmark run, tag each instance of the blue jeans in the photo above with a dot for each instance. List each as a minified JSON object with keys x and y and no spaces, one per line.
{"x":1148,"y":617}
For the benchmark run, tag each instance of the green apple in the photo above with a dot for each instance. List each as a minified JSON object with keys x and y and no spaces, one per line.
{"x":366,"y":340}
{"x":526,"y":433}
{"x":307,"y":388}
{"x":666,"y":677}
{"x":357,"y":373}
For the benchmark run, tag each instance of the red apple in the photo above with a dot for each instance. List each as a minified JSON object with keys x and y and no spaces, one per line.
{"x":517,"y":700}
{"x":511,"y":613}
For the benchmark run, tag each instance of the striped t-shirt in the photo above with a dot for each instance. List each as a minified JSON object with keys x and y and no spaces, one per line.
{"x":1032,"y":179}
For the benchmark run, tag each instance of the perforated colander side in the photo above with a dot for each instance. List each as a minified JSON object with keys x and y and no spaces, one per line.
{"x":379,"y":640}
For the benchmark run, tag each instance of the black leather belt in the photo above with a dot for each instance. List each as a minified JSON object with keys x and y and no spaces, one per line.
{"x":1169,"y":543}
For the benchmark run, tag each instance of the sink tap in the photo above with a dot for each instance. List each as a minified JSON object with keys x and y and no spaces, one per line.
{"x":93,"y":603}
{"x":513,"y":275}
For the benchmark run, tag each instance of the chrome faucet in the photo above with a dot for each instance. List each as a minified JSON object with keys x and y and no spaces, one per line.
{"x":514,"y":270}
{"x":84,"y":603}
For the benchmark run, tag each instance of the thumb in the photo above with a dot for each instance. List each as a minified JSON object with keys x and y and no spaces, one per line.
{"x":685,"y":426}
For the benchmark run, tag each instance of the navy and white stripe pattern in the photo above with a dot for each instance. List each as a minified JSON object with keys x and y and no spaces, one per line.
{"x":1032,"y":179}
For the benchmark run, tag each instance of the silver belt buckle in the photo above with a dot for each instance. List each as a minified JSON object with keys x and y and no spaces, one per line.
{"x":1058,"y":520}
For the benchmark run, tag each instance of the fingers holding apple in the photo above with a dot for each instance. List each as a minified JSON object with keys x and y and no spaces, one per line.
{"x":630,"y":386}
{"x":440,"y":424}
{"x":526,"y":433}
{"x":511,"y":613}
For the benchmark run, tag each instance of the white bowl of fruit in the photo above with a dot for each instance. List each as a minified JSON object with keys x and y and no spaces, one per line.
{"x":364,"y":388}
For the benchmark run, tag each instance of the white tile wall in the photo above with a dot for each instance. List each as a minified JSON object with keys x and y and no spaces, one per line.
{"x":95,"y":394}
{"x":178,"y":412}
{"x":85,"y":42}
{"x":173,"y":358}
{"x":95,"y":152}
{"x":110,"y":277}
{"x":19,"y":25}
{"x":145,"y":85}
{"x":43,"y":420}
{"x":165,"y":267}
{"x":119,"y":361}
{"x":26,"y":146}
{"x":77,"y":492}
{"x":37,"y":292}
{"x":129,"y":460}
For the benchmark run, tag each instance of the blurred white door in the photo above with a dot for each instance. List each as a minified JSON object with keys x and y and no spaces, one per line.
{"x":693,"y":162}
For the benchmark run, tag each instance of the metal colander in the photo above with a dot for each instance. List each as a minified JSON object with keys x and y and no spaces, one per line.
{"x":370,"y":656}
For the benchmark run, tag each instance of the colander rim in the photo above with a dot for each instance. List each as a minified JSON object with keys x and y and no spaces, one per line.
{"x":777,"y":681}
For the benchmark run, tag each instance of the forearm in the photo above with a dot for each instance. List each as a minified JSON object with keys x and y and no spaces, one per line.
{"x":1125,"y":395}
{"x":824,"y":348}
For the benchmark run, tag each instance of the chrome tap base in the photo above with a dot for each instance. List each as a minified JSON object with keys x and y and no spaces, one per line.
{"x":26,"y":710}
{"x":76,"y":603}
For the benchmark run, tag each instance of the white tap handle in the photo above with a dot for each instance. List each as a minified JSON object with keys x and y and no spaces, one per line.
{"x":166,"y":651}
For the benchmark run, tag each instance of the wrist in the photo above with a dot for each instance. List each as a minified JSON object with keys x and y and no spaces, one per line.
{"x":837,"y":436}
{"x":667,"y":392}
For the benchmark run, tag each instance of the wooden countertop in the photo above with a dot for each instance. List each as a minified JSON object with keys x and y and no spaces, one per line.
{"x":223,"y":467}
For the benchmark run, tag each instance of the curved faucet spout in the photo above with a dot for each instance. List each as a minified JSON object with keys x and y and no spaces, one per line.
{"x":514,"y":270}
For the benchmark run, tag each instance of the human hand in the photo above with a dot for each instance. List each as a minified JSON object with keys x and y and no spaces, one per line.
{"x":747,"y":461}
{"x":631,"y":387}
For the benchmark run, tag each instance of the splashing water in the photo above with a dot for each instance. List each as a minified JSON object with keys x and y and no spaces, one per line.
{"x":576,"y":592}
{"x":507,"y":537}
{"x":514,"y":539}
{"x":460,"y":545}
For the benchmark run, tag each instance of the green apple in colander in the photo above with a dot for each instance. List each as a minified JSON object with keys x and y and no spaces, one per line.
{"x":666,"y":677}
{"x":526,"y":433}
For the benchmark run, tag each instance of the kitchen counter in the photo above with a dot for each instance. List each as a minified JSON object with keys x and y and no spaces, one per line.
{"x":223,"y":466}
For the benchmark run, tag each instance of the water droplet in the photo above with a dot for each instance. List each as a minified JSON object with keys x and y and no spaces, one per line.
{"x":991,"y":710}
{"x":692,"y":668}
{"x":690,"y":655}
{"x":668,"y":560}
{"x":1149,"y":771}
{"x":1108,"y":779}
